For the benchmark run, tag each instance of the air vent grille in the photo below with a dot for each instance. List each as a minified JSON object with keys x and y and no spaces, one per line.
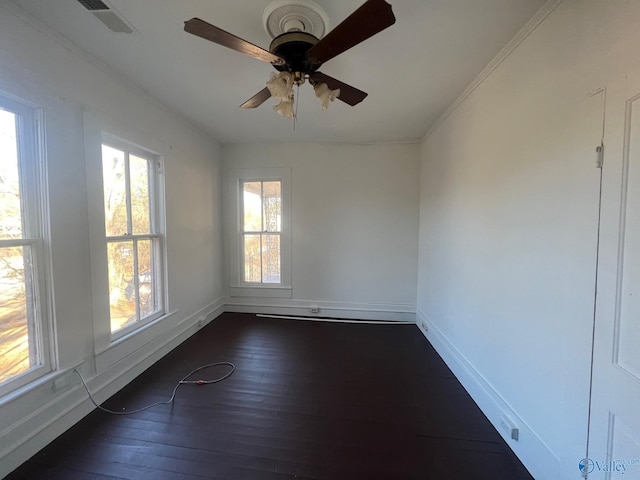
{"x":93,"y":4}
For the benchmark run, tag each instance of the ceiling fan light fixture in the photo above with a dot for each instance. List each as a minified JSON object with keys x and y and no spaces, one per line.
{"x":285,"y":108}
{"x":281,"y":85}
{"x":325,"y":94}
{"x":281,"y":88}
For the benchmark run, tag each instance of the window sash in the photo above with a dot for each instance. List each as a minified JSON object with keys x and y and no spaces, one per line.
{"x":153,"y":172}
{"x":264,"y":271}
{"x":31,"y":318}
{"x":156,"y":282}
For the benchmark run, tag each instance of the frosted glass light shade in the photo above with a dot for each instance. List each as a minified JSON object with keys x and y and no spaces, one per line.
{"x":285,"y":108}
{"x":325,"y":94}
{"x":281,"y":85}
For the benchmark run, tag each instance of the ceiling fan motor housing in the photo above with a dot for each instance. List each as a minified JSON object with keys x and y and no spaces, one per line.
{"x":293,"y":46}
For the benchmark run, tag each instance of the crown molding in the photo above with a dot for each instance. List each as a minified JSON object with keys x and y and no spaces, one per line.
{"x":506,"y":51}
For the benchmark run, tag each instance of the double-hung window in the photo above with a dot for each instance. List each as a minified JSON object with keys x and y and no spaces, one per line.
{"x":24,"y":339}
{"x":261,"y":249}
{"x":132,"y":211}
{"x":261,"y":231}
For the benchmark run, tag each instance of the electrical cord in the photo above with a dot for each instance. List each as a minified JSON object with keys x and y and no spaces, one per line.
{"x":182,"y":381}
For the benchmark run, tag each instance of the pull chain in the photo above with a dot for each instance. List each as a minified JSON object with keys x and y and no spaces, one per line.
{"x":295,"y":113}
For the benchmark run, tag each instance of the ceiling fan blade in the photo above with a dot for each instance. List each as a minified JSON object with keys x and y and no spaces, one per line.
{"x":205,"y":30}
{"x":258,"y":99}
{"x":372,"y":17}
{"x":348,"y":94}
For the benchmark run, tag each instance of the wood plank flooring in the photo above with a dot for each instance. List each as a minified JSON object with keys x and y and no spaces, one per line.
{"x":308,"y":400}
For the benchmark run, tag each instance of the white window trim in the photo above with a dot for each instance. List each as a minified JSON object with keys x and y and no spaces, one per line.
{"x":33,"y":176}
{"x":157,"y":207}
{"x":238,"y":288}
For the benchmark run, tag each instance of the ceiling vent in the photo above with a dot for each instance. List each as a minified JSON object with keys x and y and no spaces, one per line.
{"x":93,"y":4}
{"x":107,"y":15}
{"x":283,"y":16}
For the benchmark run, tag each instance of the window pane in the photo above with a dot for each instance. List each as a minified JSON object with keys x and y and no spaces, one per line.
{"x":146,"y":278}
{"x":122,"y":290}
{"x":139,"y":181}
{"x":17,"y":350}
{"x":271,"y":258}
{"x":272,"y":206}
{"x":252,"y":259}
{"x":252,"y":214}
{"x":115,"y":201}
{"x":10,"y":209}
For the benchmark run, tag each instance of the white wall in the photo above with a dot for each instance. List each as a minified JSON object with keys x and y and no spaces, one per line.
{"x":508,"y":224}
{"x":57,"y":78}
{"x":355,"y":226}
{"x":506,"y":202}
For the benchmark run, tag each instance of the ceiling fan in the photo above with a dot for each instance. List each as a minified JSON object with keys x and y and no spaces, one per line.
{"x":298,"y":54}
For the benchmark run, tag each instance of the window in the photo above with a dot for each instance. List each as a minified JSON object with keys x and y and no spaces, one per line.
{"x":261,"y":231}
{"x":24,"y":348}
{"x":261,"y":251}
{"x":132,"y":223}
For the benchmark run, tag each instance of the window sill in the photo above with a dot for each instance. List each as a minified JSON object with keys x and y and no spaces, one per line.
{"x":260,"y":292}
{"x":133,"y":329}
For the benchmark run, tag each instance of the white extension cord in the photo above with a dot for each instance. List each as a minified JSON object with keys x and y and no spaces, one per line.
{"x":182,"y":381}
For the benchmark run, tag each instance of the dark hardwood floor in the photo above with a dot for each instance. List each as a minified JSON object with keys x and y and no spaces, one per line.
{"x":307,"y":400}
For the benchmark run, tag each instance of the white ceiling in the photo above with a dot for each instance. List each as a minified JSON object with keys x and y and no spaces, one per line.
{"x":412,"y":71}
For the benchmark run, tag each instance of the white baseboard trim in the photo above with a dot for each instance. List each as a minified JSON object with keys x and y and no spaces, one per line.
{"x":211,"y":311}
{"x":532,"y":451}
{"x":302,"y":308}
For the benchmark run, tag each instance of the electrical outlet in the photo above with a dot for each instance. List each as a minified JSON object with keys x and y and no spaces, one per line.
{"x":510,"y":428}
{"x":315,"y":309}
{"x":424,"y":326}
{"x":201,"y":320}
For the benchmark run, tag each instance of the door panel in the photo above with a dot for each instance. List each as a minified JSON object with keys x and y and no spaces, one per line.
{"x":614,"y":437}
{"x":627,"y":333}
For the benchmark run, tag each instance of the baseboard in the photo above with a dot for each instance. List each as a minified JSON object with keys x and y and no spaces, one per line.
{"x":348,"y":310}
{"x":532,"y":451}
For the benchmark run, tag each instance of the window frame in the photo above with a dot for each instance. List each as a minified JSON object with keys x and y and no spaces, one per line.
{"x":34,"y":211}
{"x":238,"y":287}
{"x":156,"y":235}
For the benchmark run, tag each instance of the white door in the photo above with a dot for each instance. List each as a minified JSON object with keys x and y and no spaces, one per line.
{"x":614,"y":435}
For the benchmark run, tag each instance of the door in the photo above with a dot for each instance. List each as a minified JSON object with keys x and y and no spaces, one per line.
{"x":614,"y":430}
